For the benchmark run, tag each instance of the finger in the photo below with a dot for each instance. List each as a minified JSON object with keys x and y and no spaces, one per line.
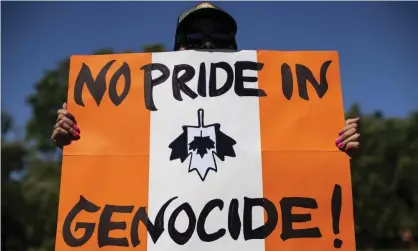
{"x":62,"y":111}
{"x":352,"y":145}
{"x":61,"y":137}
{"x":65,"y":113}
{"x":339,"y":140}
{"x":348,"y":133}
{"x":347,"y":127}
{"x":63,"y":124}
{"x":350,"y":121}
{"x":353,"y":138}
{"x":64,"y":106}
{"x":59,"y":134}
{"x":68,"y":121}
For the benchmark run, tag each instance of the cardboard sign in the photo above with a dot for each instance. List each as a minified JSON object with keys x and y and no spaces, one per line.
{"x":198,"y":150}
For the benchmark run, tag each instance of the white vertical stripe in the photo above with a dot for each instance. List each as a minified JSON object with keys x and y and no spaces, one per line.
{"x":235,"y":177}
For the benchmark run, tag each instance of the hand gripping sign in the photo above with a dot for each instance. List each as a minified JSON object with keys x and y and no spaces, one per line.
{"x":198,"y":150}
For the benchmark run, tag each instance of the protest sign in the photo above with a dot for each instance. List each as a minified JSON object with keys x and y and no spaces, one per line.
{"x":197,"y":150}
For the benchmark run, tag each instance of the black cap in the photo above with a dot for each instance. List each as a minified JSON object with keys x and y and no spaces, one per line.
{"x":203,"y":9}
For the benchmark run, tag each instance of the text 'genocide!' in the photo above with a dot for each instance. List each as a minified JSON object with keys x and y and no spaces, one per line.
{"x":197,"y":221}
{"x":98,"y":86}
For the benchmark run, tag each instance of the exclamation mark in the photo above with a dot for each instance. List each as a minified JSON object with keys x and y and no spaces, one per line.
{"x":336,"y":202}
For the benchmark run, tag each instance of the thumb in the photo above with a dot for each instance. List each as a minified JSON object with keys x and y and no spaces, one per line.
{"x":64,"y":106}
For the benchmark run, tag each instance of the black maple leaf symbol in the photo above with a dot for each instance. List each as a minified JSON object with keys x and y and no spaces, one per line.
{"x":201,"y":144}
{"x":219,"y":143}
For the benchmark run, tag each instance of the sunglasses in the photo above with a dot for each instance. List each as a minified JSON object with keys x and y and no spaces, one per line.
{"x":220,"y":40}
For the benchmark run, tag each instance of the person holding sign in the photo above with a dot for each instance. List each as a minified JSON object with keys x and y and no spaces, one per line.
{"x":204,"y":26}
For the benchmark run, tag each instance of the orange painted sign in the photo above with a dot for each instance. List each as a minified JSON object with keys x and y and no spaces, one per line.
{"x":197,"y":150}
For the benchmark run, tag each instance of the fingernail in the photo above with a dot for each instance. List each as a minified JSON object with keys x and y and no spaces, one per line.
{"x":76,"y":127}
{"x":341,"y":132}
{"x":340,"y":145}
{"x":338,"y":141}
{"x":76,"y":134}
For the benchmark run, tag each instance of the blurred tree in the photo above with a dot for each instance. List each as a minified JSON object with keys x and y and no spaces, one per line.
{"x":41,"y":187}
{"x":13,"y":204}
{"x":154,"y":48}
{"x":6,"y":123}
{"x":50,"y":93}
{"x":384,"y":177}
